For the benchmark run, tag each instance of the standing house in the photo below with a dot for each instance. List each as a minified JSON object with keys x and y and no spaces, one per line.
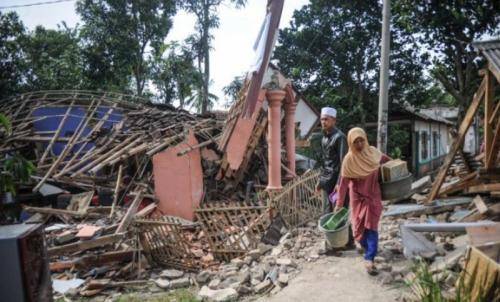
{"x":429,"y":139}
{"x":471,"y":140}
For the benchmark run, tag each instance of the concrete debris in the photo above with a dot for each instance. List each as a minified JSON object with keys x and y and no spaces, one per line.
{"x":263,"y":286}
{"x":163,"y":283}
{"x":172,"y":274}
{"x":180,"y":283}
{"x":221,"y":295}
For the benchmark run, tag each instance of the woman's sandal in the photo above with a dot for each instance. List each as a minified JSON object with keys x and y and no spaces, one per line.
{"x":359,"y":249}
{"x":371,"y":269}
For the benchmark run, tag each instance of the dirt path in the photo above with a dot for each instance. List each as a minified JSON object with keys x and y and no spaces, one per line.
{"x":335,"y":279}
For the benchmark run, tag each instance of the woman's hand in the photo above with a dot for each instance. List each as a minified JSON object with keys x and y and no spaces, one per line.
{"x":337,"y":209}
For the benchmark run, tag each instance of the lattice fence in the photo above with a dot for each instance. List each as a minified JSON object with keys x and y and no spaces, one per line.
{"x":233,"y":228}
{"x":165,"y":242}
{"x":299,"y":203}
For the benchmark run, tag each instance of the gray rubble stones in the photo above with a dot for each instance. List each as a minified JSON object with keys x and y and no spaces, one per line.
{"x":220,"y":295}
{"x":162,"y":283}
{"x":171,"y":274}
{"x":203,"y":277}
{"x":180,"y":283}
{"x":263,"y":286}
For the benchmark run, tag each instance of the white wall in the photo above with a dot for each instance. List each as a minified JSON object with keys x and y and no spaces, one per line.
{"x":306,"y":116}
{"x":443,"y":139}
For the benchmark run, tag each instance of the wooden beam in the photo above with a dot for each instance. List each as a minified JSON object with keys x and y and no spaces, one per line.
{"x":480,"y":205}
{"x":484,"y":188}
{"x":132,"y":209}
{"x":117,"y":190}
{"x":458,"y":142}
{"x":146,"y":211}
{"x":56,"y":134}
{"x":492,"y":154}
{"x":494,"y":71}
{"x":84,"y":245}
{"x":51,"y":211}
{"x":488,"y":113}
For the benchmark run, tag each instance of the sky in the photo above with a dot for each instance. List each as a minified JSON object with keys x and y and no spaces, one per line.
{"x":232,"y":51}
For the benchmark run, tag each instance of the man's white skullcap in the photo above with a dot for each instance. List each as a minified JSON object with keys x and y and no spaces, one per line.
{"x":329,"y":111}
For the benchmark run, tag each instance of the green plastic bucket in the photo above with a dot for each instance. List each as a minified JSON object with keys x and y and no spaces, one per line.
{"x":336,"y":238}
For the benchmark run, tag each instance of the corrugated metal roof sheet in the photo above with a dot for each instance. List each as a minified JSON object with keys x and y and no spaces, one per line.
{"x":491,"y":50}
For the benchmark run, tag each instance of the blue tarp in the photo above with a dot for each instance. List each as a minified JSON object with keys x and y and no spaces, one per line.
{"x":54,"y":115}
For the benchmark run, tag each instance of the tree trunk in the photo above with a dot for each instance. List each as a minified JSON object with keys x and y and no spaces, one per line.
{"x":206,"y":58}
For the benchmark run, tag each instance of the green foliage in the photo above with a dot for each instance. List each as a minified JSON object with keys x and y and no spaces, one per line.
{"x":53,"y":59}
{"x":232,"y":90}
{"x":11,"y":56}
{"x":444,"y":30}
{"x":5,"y":123}
{"x":15,"y":168}
{"x":427,"y":288}
{"x":116,"y":35}
{"x":206,"y":20}
{"x":174,"y":74}
{"x":398,"y":137}
{"x":332,"y":49}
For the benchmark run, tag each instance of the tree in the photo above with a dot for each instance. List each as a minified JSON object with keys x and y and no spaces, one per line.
{"x":331,"y":51}
{"x":14,"y":168}
{"x":117,"y":35}
{"x":232,"y":90}
{"x":174,"y":74}
{"x":53,"y":59}
{"x":444,"y":30}
{"x":11,"y":55}
{"x":206,"y":20}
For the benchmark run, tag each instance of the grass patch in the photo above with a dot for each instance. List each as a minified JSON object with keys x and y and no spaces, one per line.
{"x":427,"y":289}
{"x":180,"y":295}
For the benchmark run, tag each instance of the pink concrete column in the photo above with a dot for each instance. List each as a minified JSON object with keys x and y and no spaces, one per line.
{"x":290,"y":107}
{"x":274,"y":98}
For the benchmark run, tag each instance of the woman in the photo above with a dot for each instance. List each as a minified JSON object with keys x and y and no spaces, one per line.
{"x":359,"y":175}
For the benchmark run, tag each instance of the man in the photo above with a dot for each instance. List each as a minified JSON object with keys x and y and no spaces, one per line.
{"x":333,"y":150}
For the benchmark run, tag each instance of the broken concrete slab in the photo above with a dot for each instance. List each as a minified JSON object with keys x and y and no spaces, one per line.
{"x":437,"y":206}
{"x":171,"y":274}
{"x":63,"y":286}
{"x":162,"y":283}
{"x":446,"y":227}
{"x":263,"y":286}
{"x":415,"y":244}
{"x":180,"y":283}
{"x":220,"y":295}
{"x":286,"y":261}
{"x":283,"y":279}
{"x":203,"y":277}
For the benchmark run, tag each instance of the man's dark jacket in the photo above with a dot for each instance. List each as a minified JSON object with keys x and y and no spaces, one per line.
{"x":333,"y":149}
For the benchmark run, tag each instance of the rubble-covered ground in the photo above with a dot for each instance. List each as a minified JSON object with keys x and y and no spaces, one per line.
{"x":297,"y":269}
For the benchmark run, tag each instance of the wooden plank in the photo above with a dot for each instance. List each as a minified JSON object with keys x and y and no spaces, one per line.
{"x":117,"y":190}
{"x":464,"y":126}
{"x":56,"y":135}
{"x":484,"y":188}
{"x":51,"y":211}
{"x":84,"y":245}
{"x":479,"y":235}
{"x":480,"y":205}
{"x":488,"y":113}
{"x":146,"y":211}
{"x":492,"y":154}
{"x":79,"y":130}
{"x":127,"y":219}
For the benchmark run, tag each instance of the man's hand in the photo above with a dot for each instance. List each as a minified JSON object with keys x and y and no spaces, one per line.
{"x":317,"y":188}
{"x":336,"y":188}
